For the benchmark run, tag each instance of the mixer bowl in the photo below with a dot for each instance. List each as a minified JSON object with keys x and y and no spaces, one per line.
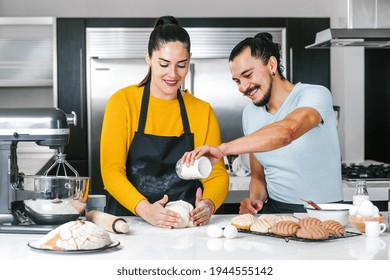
{"x":55,"y":199}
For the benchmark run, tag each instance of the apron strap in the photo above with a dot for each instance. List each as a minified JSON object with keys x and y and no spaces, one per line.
{"x":144,"y":111}
{"x":183,"y":112}
{"x":144,"y":108}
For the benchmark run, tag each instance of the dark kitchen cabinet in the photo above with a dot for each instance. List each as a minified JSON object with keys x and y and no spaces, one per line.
{"x":307,"y":65}
{"x":72,"y":89}
{"x":377,"y":104}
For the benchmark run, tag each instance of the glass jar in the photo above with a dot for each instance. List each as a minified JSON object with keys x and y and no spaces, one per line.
{"x":361,"y":193}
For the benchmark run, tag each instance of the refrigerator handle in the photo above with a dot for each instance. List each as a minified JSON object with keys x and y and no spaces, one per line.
{"x":81,"y":90}
{"x":192,"y":76}
{"x":291,"y":65}
{"x":189,"y":80}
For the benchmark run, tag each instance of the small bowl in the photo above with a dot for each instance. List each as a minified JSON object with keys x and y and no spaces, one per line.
{"x":358,"y":222}
{"x":330,"y":211}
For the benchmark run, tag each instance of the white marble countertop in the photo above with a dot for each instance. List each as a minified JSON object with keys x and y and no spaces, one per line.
{"x":145,"y":242}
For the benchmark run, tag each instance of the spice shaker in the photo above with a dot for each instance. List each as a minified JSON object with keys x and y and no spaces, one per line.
{"x":361,"y":193}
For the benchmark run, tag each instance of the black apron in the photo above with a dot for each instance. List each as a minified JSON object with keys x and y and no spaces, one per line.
{"x":152,"y":159}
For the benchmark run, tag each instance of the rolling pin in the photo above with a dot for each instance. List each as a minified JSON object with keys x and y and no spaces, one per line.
{"x":107,"y":221}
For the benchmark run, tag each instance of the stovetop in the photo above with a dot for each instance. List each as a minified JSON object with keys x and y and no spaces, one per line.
{"x":368,"y":172}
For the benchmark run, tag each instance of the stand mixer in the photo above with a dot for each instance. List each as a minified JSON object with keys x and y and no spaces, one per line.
{"x":27,"y":201}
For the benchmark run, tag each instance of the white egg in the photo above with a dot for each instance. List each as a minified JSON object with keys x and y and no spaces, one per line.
{"x":375,"y":210}
{"x":365,"y":211}
{"x":230,"y":232}
{"x":353,"y":210}
{"x":214,"y":231}
{"x":366,"y":203}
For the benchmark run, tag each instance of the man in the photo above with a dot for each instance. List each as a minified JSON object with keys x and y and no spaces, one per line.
{"x":290,"y":133}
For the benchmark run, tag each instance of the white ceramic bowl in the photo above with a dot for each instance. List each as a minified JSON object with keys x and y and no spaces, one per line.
{"x":331,"y":211}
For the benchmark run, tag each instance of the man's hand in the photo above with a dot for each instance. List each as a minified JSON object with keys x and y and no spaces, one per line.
{"x":213,"y":153}
{"x":250,"y":206}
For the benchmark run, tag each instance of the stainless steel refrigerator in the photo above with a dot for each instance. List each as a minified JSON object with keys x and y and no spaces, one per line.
{"x":118,"y":61}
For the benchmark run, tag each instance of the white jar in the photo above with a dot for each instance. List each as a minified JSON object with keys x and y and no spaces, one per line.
{"x":200,"y":169}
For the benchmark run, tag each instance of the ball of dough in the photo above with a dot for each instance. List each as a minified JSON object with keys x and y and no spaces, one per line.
{"x":184,"y":209}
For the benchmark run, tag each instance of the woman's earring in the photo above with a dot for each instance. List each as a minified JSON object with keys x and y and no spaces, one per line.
{"x":273,"y":73}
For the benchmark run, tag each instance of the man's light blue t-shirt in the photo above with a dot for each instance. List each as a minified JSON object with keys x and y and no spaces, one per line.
{"x":309,"y":167}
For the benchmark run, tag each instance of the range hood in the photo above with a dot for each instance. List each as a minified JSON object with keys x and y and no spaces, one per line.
{"x":368,"y":26}
{"x":362,"y":37}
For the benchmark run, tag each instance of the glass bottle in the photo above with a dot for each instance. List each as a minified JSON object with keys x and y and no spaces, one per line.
{"x":361,"y":193}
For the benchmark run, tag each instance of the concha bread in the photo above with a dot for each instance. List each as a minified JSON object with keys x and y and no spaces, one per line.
{"x":264,"y":223}
{"x":288,"y":218}
{"x":309,"y":221}
{"x":285,"y":228}
{"x":76,"y":235}
{"x":312,"y":232}
{"x":183,"y":208}
{"x":333,"y":227}
{"x":243,"y":221}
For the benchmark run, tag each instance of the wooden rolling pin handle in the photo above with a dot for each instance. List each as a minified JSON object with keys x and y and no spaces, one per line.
{"x":119,"y":226}
{"x":107,"y":221}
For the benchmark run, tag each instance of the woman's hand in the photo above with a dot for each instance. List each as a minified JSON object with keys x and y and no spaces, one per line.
{"x":250,"y":206}
{"x":201,"y":215}
{"x":156,"y":214}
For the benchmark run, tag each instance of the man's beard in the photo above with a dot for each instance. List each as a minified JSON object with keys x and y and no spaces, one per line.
{"x":263,"y":102}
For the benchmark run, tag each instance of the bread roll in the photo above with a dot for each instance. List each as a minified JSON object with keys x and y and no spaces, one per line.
{"x":76,"y":235}
{"x":333,"y":227}
{"x":313,"y":232}
{"x":243,"y":221}
{"x":264,"y":223}
{"x":285,"y":228}
{"x":309,"y":221}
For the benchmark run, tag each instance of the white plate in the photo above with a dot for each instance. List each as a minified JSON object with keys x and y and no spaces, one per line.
{"x":37,"y":246}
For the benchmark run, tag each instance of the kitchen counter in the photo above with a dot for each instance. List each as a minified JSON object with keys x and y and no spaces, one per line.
{"x":145,"y":242}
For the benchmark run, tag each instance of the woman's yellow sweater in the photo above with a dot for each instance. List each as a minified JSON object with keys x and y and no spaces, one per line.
{"x":121,"y":122}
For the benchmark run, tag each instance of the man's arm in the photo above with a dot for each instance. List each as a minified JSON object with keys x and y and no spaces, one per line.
{"x":275,"y":135}
{"x":257,"y":189}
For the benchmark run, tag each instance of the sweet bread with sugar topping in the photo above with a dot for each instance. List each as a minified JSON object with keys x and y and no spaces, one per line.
{"x":312,"y":232}
{"x":333,"y":227}
{"x":285,"y":228}
{"x":309,"y":221}
{"x":243,"y":221}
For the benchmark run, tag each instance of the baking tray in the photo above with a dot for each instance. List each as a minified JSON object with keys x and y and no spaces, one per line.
{"x":287,"y":239}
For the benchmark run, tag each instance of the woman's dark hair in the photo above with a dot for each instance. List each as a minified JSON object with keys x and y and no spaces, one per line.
{"x":261,"y":47}
{"x":166,"y":29}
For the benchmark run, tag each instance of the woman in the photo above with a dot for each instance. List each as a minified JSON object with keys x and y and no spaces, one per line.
{"x":146,"y":129}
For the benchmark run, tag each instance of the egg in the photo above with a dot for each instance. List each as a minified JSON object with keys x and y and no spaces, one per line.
{"x":366,"y":203}
{"x":214,"y":231}
{"x":375,"y":210}
{"x":365,"y":211}
{"x":230,"y":232}
{"x":353,"y":210}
